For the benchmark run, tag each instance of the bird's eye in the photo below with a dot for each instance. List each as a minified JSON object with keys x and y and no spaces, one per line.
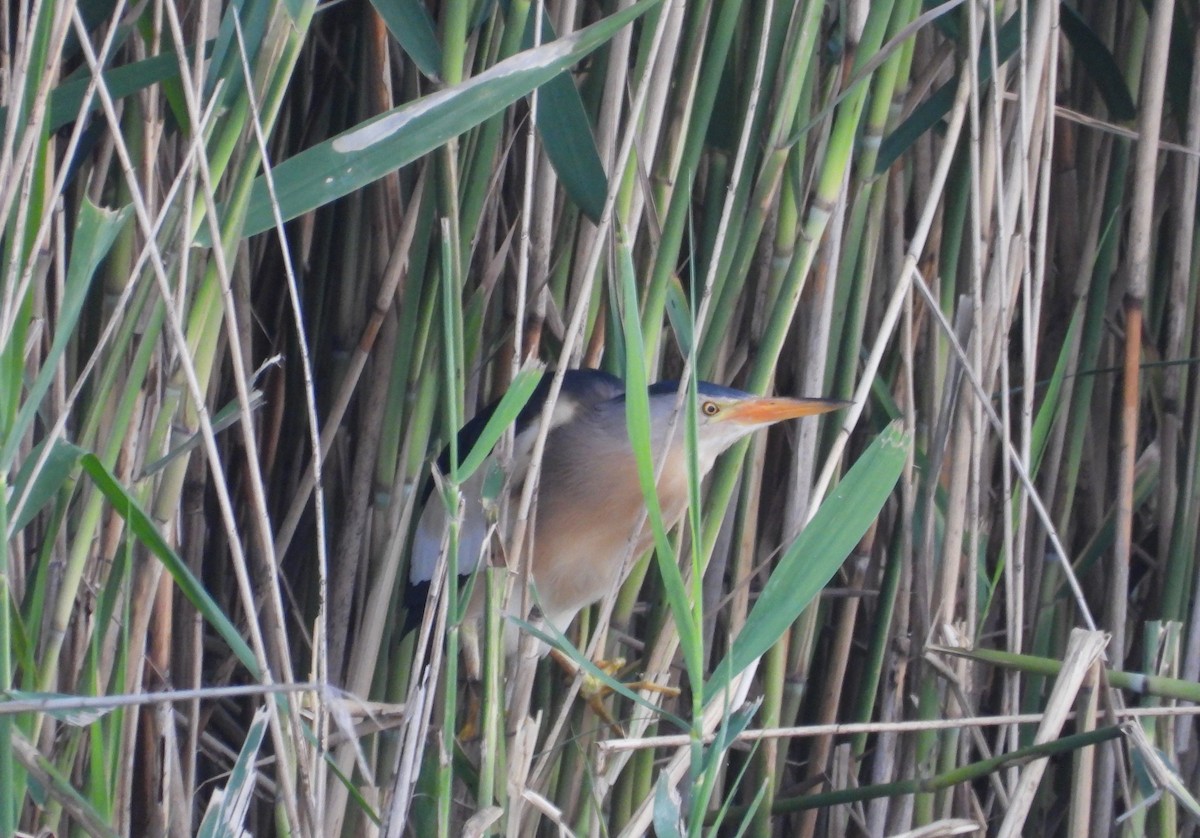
{"x":710,"y":408}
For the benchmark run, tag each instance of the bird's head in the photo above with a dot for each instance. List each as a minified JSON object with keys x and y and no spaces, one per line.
{"x":725,"y":415}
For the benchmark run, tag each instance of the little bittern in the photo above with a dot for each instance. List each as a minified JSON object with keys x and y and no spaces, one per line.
{"x":589,"y":498}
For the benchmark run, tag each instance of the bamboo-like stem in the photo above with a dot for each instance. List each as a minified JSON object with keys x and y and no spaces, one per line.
{"x":939,"y":782}
{"x":819,"y":755}
{"x":9,"y":798}
{"x":740,"y":142}
{"x":1083,"y":776}
{"x":1083,"y":650}
{"x":719,"y":42}
{"x":855,"y":728}
{"x":1135,"y":682}
{"x":797,"y":84}
{"x":1180,"y":325}
{"x":1145,"y":168}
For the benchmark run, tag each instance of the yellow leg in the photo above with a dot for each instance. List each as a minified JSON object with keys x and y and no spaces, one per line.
{"x":594,"y":691}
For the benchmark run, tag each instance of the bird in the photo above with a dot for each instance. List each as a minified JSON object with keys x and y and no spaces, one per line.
{"x":590,"y":504}
{"x":581,"y":389}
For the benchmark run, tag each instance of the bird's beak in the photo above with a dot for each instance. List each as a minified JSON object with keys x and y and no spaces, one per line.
{"x":767,"y":411}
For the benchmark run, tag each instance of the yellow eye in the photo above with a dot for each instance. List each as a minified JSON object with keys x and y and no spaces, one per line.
{"x":710,"y":408}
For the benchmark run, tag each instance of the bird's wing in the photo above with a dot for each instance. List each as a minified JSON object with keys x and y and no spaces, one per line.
{"x":581,"y":390}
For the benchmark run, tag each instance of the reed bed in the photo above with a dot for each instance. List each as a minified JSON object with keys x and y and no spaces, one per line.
{"x":261,"y":259}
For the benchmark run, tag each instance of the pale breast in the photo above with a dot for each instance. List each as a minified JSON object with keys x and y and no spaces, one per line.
{"x":586,"y":516}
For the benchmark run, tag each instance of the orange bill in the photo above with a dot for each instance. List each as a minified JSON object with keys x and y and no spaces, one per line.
{"x":766,"y":411}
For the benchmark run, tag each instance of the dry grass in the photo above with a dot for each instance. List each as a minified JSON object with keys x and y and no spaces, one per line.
{"x":973,"y":219}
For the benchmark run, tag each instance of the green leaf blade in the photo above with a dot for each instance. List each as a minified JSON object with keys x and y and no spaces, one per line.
{"x":142,"y":526}
{"x":566,"y":133}
{"x":819,"y":551}
{"x":504,"y":416}
{"x":95,"y":232}
{"x":53,"y":474}
{"x":1100,"y":64}
{"x":412,"y":27}
{"x":362,"y":155}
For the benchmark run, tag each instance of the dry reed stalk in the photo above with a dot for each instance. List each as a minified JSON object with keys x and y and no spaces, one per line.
{"x":1145,"y":175}
{"x":718,"y":198}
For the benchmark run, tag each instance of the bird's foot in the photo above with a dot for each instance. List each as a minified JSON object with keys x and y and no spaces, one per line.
{"x":594,"y":690}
